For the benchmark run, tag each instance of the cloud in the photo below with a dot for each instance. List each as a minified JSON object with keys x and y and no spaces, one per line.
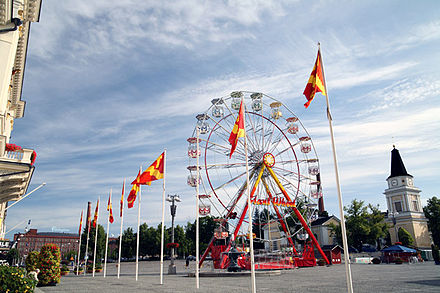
{"x":100,"y":26}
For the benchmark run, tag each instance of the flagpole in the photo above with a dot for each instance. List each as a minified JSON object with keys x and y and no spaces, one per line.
{"x":138,"y":230}
{"x":106,"y":239}
{"x":251,"y":238}
{"x":163,"y":217}
{"x":96,"y":239}
{"x":341,"y":206}
{"x":120,"y":233}
{"x":79,"y":248}
{"x":89,"y":222}
{"x":197,"y":214}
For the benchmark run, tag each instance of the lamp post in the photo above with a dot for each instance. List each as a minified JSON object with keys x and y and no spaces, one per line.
{"x":393,"y":218}
{"x":173,"y":199}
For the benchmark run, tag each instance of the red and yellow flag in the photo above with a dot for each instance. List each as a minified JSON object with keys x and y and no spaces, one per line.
{"x":133,"y":192}
{"x":316,"y":81}
{"x":89,"y":216}
{"x":95,"y":218}
{"x":121,"y":207}
{"x":80,"y":223}
{"x":154,"y":172}
{"x":238,"y":130}
{"x":109,"y":209}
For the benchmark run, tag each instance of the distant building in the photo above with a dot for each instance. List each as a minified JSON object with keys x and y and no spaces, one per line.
{"x":322,"y":232}
{"x":33,"y":240}
{"x":16,"y":162}
{"x":404,"y":205}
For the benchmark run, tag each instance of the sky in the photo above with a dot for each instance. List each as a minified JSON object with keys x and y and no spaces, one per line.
{"x":110,"y":84}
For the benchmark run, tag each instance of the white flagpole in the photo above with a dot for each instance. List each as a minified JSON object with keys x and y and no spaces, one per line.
{"x":138,"y":230}
{"x":197,"y":214}
{"x":251,"y":238}
{"x":163,"y":217}
{"x":341,"y":206}
{"x":106,"y":239}
{"x":86,"y":254}
{"x":120,"y":233}
{"x":79,"y":248}
{"x":96,"y":239}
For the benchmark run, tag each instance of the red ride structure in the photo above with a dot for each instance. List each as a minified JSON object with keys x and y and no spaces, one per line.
{"x":284,"y":190}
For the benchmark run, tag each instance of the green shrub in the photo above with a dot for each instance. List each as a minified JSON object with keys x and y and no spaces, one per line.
{"x":64,"y":268}
{"x":49,"y":264}
{"x":32,"y":261}
{"x":435,"y":252}
{"x":14,"y":279}
{"x":376,"y":261}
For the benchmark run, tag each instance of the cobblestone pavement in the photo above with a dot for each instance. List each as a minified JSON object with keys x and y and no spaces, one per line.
{"x":421,"y":277}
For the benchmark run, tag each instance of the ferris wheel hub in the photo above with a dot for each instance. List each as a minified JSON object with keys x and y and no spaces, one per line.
{"x":268,"y":159}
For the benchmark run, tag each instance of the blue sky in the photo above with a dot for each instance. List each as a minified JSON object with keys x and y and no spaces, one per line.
{"x":110,"y":84}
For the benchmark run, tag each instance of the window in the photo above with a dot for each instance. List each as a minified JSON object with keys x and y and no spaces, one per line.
{"x":398,"y":206}
{"x":415,"y":205}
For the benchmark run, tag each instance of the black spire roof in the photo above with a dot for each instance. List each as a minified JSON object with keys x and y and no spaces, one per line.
{"x":397,"y":166}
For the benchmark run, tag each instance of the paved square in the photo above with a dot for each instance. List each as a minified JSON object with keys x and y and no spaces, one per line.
{"x":421,"y":277}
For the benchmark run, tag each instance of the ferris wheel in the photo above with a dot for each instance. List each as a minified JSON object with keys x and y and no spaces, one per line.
{"x":283,"y":168}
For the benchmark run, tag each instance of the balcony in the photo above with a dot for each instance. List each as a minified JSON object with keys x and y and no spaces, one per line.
{"x":16,"y":169}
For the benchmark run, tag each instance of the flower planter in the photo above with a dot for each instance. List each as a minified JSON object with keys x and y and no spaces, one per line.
{"x":98,"y":270}
{"x":78,"y":273}
{"x":64,"y":273}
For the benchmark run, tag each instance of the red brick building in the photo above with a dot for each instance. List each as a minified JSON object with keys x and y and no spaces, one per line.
{"x":33,"y":240}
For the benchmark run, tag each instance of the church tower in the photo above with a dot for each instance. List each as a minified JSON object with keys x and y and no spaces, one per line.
{"x":404,"y":205}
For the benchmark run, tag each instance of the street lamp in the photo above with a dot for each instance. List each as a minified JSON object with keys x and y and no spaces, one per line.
{"x":173,"y":199}
{"x":393,"y":218}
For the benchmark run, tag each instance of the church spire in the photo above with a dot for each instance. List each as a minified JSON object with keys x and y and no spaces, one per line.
{"x":397,"y":166}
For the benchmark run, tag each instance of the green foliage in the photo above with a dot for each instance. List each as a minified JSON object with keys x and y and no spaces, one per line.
{"x":70,"y":254}
{"x":206,"y":229}
{"x":32,"y":261}
{"x":364,"y":224}
{"x":336,"y":232}
{"x":14,"y":279}
{"x":432,"y":213}
{"x":49,"y":264}
{"x":64,"y":268}
{"x":435,"y":252}
{"x":149,"y":240}
{"x":128,"y":243}
{"x":100,"y":247}
{"x":12,"y":256}
{"x":405,"y":237}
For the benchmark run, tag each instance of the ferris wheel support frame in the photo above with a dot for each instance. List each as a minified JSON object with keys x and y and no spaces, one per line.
{"x":298,"y":214}
{"x":280,"y":218}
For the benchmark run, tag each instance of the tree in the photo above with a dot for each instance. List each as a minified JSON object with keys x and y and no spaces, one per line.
{"x":100,"y":247}
{"x":432,"y":213}
{"x":128,"y":248}
{"x":12,"y":256}
{"x":364,"y":224}
{"x":405,"y":237}
{"x":206,"y":229}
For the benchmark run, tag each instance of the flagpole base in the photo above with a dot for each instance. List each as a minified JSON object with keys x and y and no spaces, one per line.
{"x":172,"y":269}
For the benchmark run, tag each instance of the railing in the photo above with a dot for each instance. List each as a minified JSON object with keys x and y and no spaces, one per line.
{"x":19,"y":156}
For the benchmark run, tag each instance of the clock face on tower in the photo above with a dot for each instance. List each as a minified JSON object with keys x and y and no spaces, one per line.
{"x":394,"y":182}
{"x":410,"y":182}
